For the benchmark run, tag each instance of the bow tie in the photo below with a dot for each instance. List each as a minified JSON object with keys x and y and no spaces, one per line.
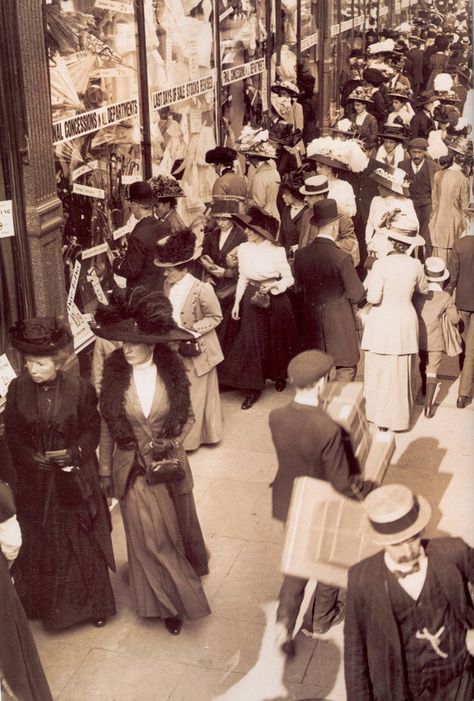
{"x":401,"y":574}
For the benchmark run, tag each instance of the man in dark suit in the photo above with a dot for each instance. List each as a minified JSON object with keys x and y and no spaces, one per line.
{"x":422,"y":121}
{"x":137,"y":266}
{"x":414,"y":64}
{"x":308,"y":442}
{"x":329,"y":285}
{"x":409,"y":629}
{"x":461,"y":267}
{"x":420,"y":170}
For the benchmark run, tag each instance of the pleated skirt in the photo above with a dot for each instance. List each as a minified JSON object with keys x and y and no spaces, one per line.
{"x":388,"y":389}
{"x":162,"y":580}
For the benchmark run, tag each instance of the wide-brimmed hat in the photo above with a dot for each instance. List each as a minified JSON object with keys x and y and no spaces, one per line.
{"x":394,"y":514}
{"x":435,"y":269}
{"x":315,"y":185}
{"x":402,"y":92}
{"x":393,"y":179}
{"x":222,"y":155}
{"x":459,"y":144}
{"x":138,"y":315}
{"x":259,"y":221}
{"x":402,"y":227}
{"x":225,"y":206}
{"x":41,"y":335}
{"x":415,"y":39}
{"x":344,"y":126}
{"x":308,"y":367}
{"x":396,"y":132}
{"x":372,"y":75}
{"x":140,"y":192}
{"x":282,"y":86}
{"x":293,"y":182}
{"x":165,"y":187}
{"x":425,"y":97}
{"x":324,"y":212}
{"x":342,"y":155}
{"x":177,"y":248}
{"x":254,"y":142}
{"x":381,"y":47}
{"x":362,"y":93}
{"x":284,"y":134}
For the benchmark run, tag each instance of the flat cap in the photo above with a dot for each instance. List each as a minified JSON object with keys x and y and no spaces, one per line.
{"x":418,"y":143}
{"x":308,"y":367}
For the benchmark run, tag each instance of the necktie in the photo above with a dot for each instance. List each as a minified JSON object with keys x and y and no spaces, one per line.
{"x":400,"y":574}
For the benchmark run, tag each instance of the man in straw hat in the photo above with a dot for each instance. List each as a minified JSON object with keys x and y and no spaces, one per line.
{"x":421,"y":171}
{"x":137,"y":265}
{"x":330,"y":285}
{"x":461,"y":265}
{"x":308,"y":442}
{"x":409,"y":626}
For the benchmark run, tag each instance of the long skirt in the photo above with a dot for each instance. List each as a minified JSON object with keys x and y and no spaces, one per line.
{"x":266,"y":342}
{"x":388,"y":389}
{"x":162,"y":580}
{"x":206,"y":403}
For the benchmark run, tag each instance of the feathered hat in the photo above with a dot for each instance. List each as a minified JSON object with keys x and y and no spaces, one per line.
{"x":285,"y":86}
{"x":344,"y":126}
{"x":393,"y":179}
{"x":284,"y":134}
{"x":259,"y":221}
{"x":165,"y":187}
{"x":224,"y":206}
{"x":401,"y":227}
{"x":373,"y":76}
{"x":381,"y":47}
{"x":402,"y":92}
{"x":362,"y":93}
{"x":343,"y":155}
{"x":396,"y":132}
{"x":42,"y":335}
{"x":294,"y":181}
{"x":459,"y":144}
{"x":443,"y":87}
{"x":254,"y":142}
{"x":222,"y":155}
{"x":138,"y":315}
{"x":177,"y":248}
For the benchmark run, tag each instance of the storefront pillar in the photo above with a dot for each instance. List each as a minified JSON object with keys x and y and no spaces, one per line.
{"x":43,"y":210}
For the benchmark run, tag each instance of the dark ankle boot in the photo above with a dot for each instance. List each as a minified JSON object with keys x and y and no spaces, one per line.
{"x":430,"y":391}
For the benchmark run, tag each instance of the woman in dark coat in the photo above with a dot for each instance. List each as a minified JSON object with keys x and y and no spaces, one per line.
{"x":146,"y":408}
{"x":21,"y":672}
{"x":52,"y":427}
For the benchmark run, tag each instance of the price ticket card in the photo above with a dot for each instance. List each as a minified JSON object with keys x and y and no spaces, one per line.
{"x":7,"y":374}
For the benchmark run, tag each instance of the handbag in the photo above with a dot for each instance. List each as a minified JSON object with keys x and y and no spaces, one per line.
{"x":226,"y":290}
{"x":190,"y":349}
{"x":164,"y":471}
{"x":72,"y":486}
{"x":260,"y":299}
{"x":451,"y":335}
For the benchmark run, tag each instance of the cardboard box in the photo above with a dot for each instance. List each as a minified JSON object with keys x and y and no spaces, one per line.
{"x":345,"y":404}
{"x":325,"y":533}
{"x":380,"y":454}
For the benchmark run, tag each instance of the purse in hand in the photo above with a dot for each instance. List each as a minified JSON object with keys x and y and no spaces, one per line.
{"x":260,"y":299}
{"x":190,"y":349}
{"x":164,"y":471}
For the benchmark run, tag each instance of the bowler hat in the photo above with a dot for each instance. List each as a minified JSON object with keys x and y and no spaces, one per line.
{"x":435,"y":269}
{"x":222,"y":155}
{"x":259,"y":221}
{"x":395,"y":514}
{"x":140,"y":192}
{"x":324,"y":212}
{"x":41,"y":335}
{"x":315,"y":185}
{"x":307,"y":368}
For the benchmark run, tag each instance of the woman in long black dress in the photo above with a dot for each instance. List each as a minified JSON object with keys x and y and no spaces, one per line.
{"x":267,"y":338}
{"x":52,"y":428}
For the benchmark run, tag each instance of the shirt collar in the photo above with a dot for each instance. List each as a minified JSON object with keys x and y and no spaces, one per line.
{"x":404,"y":566}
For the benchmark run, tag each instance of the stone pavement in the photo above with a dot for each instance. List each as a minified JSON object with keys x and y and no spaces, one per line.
{"x":132,"y":659}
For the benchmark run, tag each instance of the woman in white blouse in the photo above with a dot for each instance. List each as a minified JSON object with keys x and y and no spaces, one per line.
{"x":267,"y":336}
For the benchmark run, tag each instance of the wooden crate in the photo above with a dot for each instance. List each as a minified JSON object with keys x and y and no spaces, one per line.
{"x":325,"y":533}
{"x":380,"y":454}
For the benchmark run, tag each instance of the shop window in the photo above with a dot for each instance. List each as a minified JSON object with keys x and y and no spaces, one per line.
{"x":94,"y":77}
{"x":181,"y":84}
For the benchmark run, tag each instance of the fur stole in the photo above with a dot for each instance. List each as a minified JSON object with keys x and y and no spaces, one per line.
{"x":116,"y":380}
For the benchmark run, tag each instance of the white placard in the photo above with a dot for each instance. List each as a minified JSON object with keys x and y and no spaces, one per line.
{"x":80,"y":329}
{"x":195,"y":121}
{"x":6,"y":219}
{"x":86,"y":168}
{"x":178,"y":93}
{"x":129,"y":179}
{"x":7,"y":374}
{"x":93,"y":278}
{"x":88,"y":191}
{"x":118,"y":72}
{"x":309,"y":41}
{"x":125,"y":8}
{"x":245,"y":70}
{"x":87,"y":122}
{"x":73,"y":286}
{"x":95,"y":251}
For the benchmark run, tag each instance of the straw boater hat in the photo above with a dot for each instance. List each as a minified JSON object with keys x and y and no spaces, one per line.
{"x":225,"y":206}
{"x":41,"y":335}
{"x":165,"y":187}
{"x":363,"y":93}
{"x":259,"y":221}
{"x":315,"y":185}
{"x":402,"y":227}
{"x":222,"y":155}
{"x":177,"y":248}
{"x":138,"y":315}
{"x":402,"y":92}
{"x":393,"y":179}
{"x":394,"y":514}
{"x":435,"y":269}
